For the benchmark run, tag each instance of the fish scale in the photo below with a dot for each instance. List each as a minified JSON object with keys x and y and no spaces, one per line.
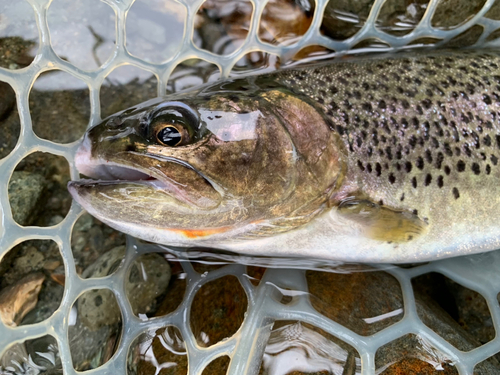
{"x":415,"y":127}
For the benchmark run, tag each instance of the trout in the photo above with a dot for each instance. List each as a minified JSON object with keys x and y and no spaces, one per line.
{"x":387,"y":159}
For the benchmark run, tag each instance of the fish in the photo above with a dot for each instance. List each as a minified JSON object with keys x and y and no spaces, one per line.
{"x":387,"y":159}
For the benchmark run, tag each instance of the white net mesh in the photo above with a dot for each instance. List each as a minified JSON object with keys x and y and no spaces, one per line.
{"x":247,"y":346}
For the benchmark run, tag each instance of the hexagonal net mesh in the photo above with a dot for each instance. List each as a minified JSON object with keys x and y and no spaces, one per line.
{"x":246,"y":347}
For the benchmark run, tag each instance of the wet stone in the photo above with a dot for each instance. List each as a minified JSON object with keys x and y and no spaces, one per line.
{"x":49,"y":300}
{"x":494,"y":35}
{"x":90,"y":239}
{"x":91,"y":25}
{"x":412,"y":355}
{"x":91,"y":348}
{"x":364,"y":302}
{"x":25,"y":194}
{"x":160,"y":352}
{"x":18,"y":299}
{"x":452,"y":13}
{"x":218,"y":310}
{"x":32,"y":356}
{"x":152,"y":29}
{"x":98,"y":308}
{"x":9,"y":120}
{"x":148,"y":281}
{"x":467,"y":38}
{"x":124,"y":87}
{"x":459,"y":315}
{"x":222,"y":26}
{"x":25,"y":258}
{"x":175,"y":291}
{"x":16,"y":52}
{"x":59,"y":106}
{"x":298,"y":348}
{"x":218,"y":366}
{"x":400,"y":17}
{"x":55,"y":200}
{"x":494,"y":12}
{"x":489,"y":366}
{"x":344,"y":18}
{"x":284,"y":22}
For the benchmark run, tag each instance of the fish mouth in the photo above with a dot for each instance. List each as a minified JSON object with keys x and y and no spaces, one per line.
{"x":120,"y":172}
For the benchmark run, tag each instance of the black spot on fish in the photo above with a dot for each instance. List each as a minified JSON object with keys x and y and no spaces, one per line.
{"x":382,"y":104}
{"x":456,"y":194}
{"x":415,"y":212}
{"x":487,"y":140}
{"x":420,"y":163}
{"x":414,"y":182}
{"x":402,"y":197}
{"x":369,"y":168}
{"x":428,"y":180}
{"x":497,"y":137}
{"x":440,"y":181}
{"x":494,"y":159}
{"x":427,"y":103}
{"x":488,"y":169}
{"x":486,"y":99}
{"x":360,"y":165}
{"x":447,"y":170}
{"x":378,"y":169}
{"x":408,"y":167}
{"x":475,"y":168}
{"x":460,"y":166}
{"x":439,"y":160}
{"x":447,"y":149}
{"x":428,"y":156}
{"x":392,"y":178}
{"x":467,"y":150}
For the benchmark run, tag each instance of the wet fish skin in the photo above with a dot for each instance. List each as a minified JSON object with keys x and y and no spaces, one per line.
{"x":394,"y":159}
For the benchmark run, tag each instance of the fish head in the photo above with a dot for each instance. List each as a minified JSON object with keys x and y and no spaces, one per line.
{"x":211,"y":165}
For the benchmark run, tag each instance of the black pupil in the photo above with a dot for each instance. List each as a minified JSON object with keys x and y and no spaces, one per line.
{"x":169,"y":136}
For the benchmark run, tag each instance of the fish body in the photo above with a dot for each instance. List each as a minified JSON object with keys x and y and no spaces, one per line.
{"x":388,"y":159}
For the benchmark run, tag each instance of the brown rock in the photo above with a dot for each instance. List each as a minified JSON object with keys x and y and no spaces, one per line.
{"x":20,"y":298}
{"x":218,"y":310}
{"x":356,"y":300}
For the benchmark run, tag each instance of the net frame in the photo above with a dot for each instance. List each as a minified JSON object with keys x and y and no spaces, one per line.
{"x":478,"y":272}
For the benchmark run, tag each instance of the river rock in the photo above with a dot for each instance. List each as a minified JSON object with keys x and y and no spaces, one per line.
{"x":25,"y":193}
{"x":148,"y":279}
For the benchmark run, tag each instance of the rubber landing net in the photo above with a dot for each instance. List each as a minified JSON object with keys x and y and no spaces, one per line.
{"x":479,"y":273}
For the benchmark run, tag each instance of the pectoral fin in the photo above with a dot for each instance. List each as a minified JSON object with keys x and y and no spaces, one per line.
{"x":383,"y":223}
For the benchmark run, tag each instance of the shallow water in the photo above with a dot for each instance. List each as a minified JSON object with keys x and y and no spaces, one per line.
{"x":222,"y":312}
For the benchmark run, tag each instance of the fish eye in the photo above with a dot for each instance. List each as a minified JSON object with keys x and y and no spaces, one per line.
{"x":171,"y":135}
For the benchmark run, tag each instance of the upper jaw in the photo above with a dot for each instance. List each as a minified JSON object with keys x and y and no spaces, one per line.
{"x":180,"y":182}
{"x":105,"y":170}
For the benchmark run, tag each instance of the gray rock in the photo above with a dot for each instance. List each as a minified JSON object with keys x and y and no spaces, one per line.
{"x":25,"y":194}
{"x":148,"y":279}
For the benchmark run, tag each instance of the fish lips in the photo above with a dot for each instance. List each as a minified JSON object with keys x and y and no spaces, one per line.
{"x":176,"y":182}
